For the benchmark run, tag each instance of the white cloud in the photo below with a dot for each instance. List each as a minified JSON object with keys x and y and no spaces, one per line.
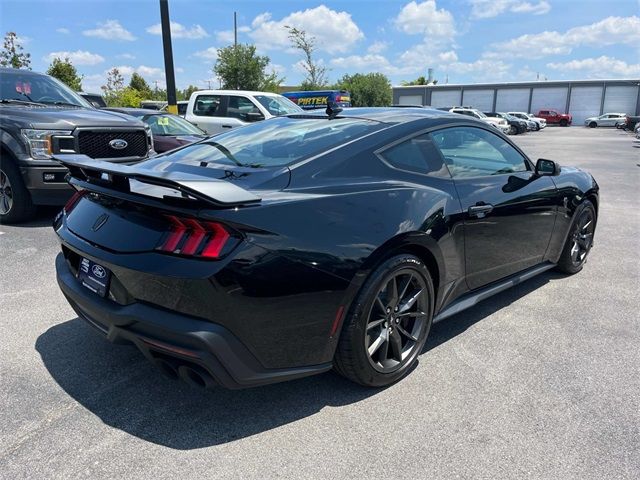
{"x":63,"y":30}
{"x":370,"y":61}
{"x":210,"y":53}
{"x":378,"y":47}
{"x":610,"y":31}
{"x":126,"y":56}
{"x":334,"y":31}
{"x":79,"y":57}
{"x":110,"y":30}
{"x":180,"y":31}
{"x":92,"y":83}
{"x":493,"y":8}
{"x":425,"y":18}
{"x":227,"y":36}
{"x":601,"y":67}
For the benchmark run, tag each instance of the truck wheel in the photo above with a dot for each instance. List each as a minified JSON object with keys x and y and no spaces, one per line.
{"x":15,"y":200}
{"x":563,"y":123}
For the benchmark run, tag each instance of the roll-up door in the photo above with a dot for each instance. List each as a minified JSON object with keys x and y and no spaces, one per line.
{"x":621,"y":99}
{"x":445,"y":98}
{"x":512,"y":100}
{"x":585,"y":103}
{"x":410,"y":100}
{"x":553,"y":98}
{"x":479,"y":99}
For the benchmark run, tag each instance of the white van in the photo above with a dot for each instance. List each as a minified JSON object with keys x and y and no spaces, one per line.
{"x":214,"y":111}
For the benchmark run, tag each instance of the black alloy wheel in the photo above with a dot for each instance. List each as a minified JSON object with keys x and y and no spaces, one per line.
{"x":388,"y":324}
{"x":593,"y":125}
{"x":6,"y":194}
{"x":580,"y":239}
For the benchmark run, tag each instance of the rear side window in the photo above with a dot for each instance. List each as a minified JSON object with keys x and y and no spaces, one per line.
{"x":240,"y":106}
{"x":207,"y":106}
{"x":417,"y":155}
{"x":475,"y":152}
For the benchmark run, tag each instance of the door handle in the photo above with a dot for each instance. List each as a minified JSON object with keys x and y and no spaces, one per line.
{"x":480,"y":210}
{"x":227,"y":126}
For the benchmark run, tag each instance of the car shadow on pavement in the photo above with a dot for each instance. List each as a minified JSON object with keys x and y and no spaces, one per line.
{"x":116,"y":383}
{"x":43,"y":218}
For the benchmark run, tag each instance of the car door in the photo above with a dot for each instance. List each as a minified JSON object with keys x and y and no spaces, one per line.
{"x":509,"y":212}
{"x":239,"y":107}
{"x":206,"y":111}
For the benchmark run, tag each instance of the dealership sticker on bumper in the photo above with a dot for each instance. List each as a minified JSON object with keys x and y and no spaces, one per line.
{"x":94,"y":276}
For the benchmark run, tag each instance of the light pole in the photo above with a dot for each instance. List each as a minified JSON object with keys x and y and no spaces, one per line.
{"x":168,"y":58}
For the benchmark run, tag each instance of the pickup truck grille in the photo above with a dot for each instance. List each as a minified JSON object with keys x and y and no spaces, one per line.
{"x":96,"y":144}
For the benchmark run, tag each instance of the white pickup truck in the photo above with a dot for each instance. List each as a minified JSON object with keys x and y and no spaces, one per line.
{"x":215,"y":111}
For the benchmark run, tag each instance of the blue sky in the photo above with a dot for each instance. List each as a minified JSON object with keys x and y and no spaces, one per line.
{"x":462,"y":40}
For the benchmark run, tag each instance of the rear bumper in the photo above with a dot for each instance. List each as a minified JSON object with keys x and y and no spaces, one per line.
{"x":162,"y":335}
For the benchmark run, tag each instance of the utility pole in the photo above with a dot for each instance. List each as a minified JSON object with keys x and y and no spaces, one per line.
{"x":172,"y":106}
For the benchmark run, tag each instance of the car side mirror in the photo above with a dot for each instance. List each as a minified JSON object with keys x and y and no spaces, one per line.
{"x":254,"y":116}
{"x":96,"y":104}
{"x":546,"y":167}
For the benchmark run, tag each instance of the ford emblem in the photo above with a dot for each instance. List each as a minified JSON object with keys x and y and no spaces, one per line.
{"x":98,"y":271}
{"x":118,"y":144}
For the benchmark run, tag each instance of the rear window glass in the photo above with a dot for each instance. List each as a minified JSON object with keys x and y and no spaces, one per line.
{"x":276,"y":142}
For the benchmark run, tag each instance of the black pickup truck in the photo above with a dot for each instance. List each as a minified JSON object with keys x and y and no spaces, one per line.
{"x":40,"y":117}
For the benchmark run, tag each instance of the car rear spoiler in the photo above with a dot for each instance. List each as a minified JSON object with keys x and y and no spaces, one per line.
{"x":108,"y":177}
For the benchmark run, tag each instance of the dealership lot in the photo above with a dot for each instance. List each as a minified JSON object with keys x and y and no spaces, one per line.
{"x":541,"y":381}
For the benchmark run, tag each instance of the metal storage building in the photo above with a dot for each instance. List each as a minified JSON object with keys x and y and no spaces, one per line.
{"x":581,"y":98}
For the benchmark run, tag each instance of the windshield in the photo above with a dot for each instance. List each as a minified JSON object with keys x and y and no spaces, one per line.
{"x":480,"y":114}
{"x":38,"y":88}
{"x":162,"y":125}
{"x":272,"y":143}
{"x":278,"y":105}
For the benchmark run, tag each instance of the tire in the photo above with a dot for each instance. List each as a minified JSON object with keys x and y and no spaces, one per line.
{"x":593,"y":125}
{"x":563,"y":123}
{"x":579,"y":240}
{"x":537,"y":127}
{"x":15,"y":200}
{"x":513,"y":130}
{"x":379,"y":344}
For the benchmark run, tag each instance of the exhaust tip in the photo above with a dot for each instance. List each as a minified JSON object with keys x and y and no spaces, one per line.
{"x":196,"y":376}
{"x":167,"y":368}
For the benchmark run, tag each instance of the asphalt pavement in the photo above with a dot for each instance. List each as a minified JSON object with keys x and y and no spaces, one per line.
{"x":542,"y":381}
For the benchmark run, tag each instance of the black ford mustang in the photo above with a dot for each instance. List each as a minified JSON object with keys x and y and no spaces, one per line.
{"x":298,"y":244}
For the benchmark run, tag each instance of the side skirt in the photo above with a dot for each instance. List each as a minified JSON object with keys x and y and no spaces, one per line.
{"x":471,"y":299}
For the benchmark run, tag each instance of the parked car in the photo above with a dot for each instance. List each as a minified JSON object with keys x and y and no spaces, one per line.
{"x":153,"y":104}
{"x":312,"y":99}
{"x":499,"y":123}
{"x":309,"y":242}
{"x":182,"y":107}
{"x":637,"y":130}
{"x":169,"y":131}
{"x":605,"y":120}
{"x":94,"y":99}
{"x":40,"y":117}
{"x":214,"y":111}
{"x":516,"y":125}
{"x":554,"y":117}
{"x":629,"y":123}
{"x":538,"y":122}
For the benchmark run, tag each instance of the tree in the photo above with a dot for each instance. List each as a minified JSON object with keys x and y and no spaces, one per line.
{"x":113,"y":87}
{"x":316,"y":76}
{"x":140,"y":84}
{"x":186,"y":93}
{"x":272,"y":82}
{"x":240,"y":68}
{"x":13,"y":54}
{"x":421,"y":80}
{"x":64,"y":71}
{"x":367,"y":90}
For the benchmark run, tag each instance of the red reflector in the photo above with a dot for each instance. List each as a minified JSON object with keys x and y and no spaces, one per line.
{"x":177,"y":232}
{"x":196,"y":235}
{"x":336,"y":321}
{"x":71,"y":203}
{"x":218,"y":238}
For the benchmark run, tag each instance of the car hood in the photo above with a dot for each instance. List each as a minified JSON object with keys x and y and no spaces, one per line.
{"x":59,"y":118}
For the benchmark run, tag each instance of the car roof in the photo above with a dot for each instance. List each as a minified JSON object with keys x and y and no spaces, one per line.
{"x":22,"y":71}
{"x":236,"y":92}
{"x":384,"y":114}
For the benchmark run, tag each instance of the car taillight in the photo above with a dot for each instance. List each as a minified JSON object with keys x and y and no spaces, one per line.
{"x":194,"y":238}
{"x":73,"y":201}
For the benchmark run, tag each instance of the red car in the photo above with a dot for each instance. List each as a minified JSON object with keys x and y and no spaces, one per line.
{"x":554,"y":117}
{"x":169,"y":131}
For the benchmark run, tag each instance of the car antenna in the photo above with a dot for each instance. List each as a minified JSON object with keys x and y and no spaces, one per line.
{"x":333,"y":110}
